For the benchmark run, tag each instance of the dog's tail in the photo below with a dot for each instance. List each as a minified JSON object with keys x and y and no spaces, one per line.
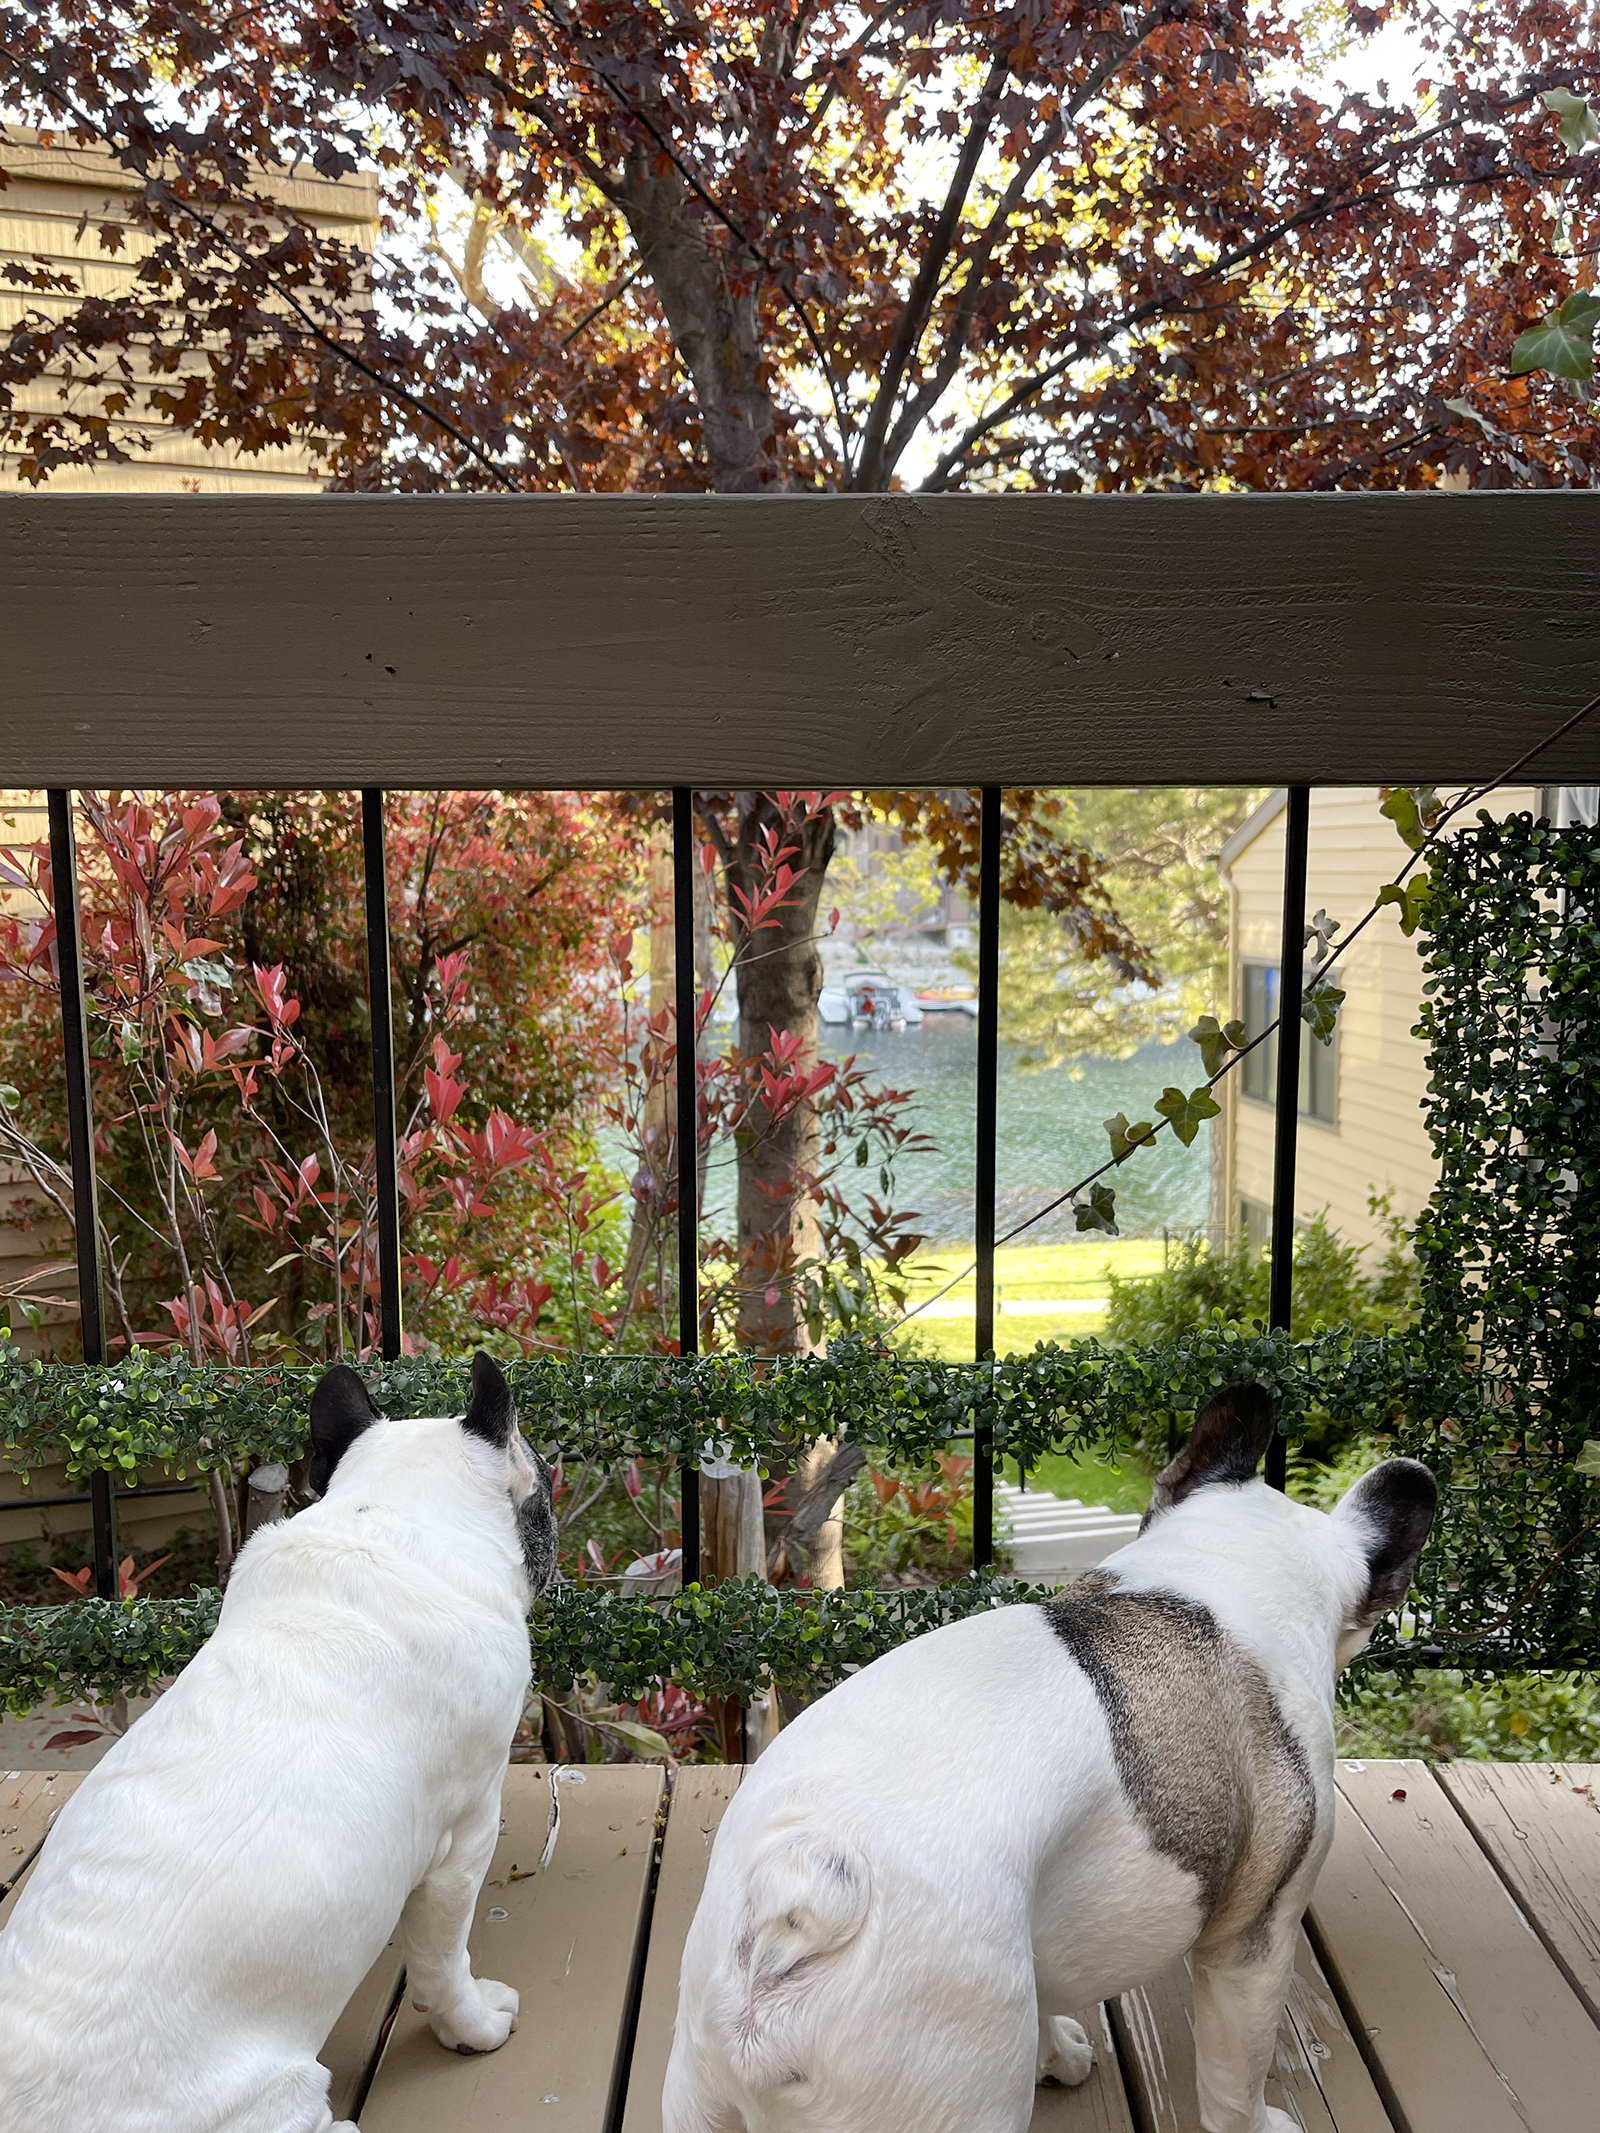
{"x":806,"y":1897}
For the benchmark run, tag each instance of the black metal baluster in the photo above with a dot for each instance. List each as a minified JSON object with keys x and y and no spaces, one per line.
{"x":684,"y":858}
{"x":383,"y":1115}
{"x":1286,"y":1123}
{"x":987,"y":1130}
{"x":80,"y":1138}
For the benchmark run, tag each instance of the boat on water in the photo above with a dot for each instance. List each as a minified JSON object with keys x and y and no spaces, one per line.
{"x":869,"y":999}
{"x":947,"y":1000}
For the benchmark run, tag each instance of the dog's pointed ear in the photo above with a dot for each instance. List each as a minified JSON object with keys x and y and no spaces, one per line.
{"x":341,"y":1409}
{"x":1226,"y":1444}
{"x":493,"y":1413}
{"x":1392,"y":1508}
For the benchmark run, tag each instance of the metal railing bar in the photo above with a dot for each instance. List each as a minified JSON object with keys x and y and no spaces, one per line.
{"x":688,"y":1131}
{"x":987,"y":1130}
{"x":385,"y":1156}
{"x":80,"y":1137}
{"x":1286,"y":1123}
{"x":52,"y":1503}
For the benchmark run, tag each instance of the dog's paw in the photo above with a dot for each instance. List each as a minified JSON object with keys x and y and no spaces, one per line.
{"x":480,"y":2021}
{"x":1276,"y":2121}
{"x":1065,"y":2053}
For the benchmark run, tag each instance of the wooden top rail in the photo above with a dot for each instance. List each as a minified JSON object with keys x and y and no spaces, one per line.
{"x":1448,"y":1978}
{"x":834,"y":641}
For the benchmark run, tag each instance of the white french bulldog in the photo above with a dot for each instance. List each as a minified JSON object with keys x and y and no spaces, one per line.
{"x":897,"y":1919}
{"x":332,"y":1760}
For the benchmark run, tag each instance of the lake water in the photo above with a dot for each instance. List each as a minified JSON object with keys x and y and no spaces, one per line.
{"x":1051,"y":1132}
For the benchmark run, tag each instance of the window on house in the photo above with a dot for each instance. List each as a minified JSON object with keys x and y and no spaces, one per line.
{"x":1255,"y":1226}
{"x":1319,"y":1063}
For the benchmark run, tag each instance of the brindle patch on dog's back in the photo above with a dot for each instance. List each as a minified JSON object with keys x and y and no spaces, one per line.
{"x":1211,"y":1767}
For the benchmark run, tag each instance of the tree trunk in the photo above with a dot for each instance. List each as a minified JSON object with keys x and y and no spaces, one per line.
{"x":780,"y":978}
{"x":713,"y":307}
{"x":659,"y":1124}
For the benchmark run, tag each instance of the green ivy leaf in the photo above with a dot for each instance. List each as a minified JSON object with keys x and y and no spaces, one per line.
{"x":1187,"y":1112}
{"x":1413,"y":809}
{"x":1577,"y":125}
{"x":1409,"y":898}
{"x":1563,"y":341}
{"x":1216,"y":1040}
{"x":1587,"y":1462}
{"x":1319,"y":1010}
{"x":1099,"y":1211}
{"x":1321,"y":929}
{"x":1125,"y":1138}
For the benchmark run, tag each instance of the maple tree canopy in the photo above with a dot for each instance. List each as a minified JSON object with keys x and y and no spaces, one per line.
{"x":1043,"y":244}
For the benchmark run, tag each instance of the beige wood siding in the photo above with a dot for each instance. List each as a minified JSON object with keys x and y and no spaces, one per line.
{"x":51,"y":211}
{"x":1378,"y":1142}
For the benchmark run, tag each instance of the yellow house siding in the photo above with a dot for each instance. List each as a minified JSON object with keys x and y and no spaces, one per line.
{"x":51,"y":209}
{"x":1378,"y":1141}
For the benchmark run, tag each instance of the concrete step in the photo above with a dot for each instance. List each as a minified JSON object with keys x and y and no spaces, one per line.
{"x":1057,"y":1537}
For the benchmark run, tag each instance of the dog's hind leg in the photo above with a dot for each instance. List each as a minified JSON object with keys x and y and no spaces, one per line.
{"x":467,"y":2013}
{"x":1239,"y":1994}
{"x":1065,"y":2053}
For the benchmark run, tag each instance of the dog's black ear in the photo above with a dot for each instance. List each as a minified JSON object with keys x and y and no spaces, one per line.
{"x":1393,"y":1507}
{"x":340,"y":1410}
{"x":493,"y":1413}
{"x":1225,"y":1444}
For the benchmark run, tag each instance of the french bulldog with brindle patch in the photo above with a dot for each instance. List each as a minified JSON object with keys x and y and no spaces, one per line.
{"x":1041,"y":1807}
{"x":330,"y":1762}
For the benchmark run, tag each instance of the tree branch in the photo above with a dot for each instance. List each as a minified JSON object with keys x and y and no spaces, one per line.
{"x":715,"y":208}
{"x":932,"y":392}
{"x":914,"y":314}
{"x":1087,"y":341}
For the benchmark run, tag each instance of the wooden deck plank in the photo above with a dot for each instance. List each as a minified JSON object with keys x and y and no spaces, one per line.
{"x":700,"y":1795}
{"x":1467,"y":2021}
{"x":1098,"y":2105}
{"x":565,"y":1938}
{"x":1318,"y":2073}
{"x":29,"y":1803}
{"x":1540,"y":1825}
{"x":354,"y":2040}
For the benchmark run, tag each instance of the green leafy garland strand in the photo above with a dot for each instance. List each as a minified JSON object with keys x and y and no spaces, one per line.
{"x":144,"y":1412}
{"x":724,"y":1640}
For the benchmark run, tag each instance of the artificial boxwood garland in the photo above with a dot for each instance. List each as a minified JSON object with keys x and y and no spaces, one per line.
{"x":164,"y":1411}
{"x":723,"y":1640}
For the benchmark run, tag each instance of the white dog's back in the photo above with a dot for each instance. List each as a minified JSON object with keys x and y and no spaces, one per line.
{"x":215,"y":1890}
{"x":1039,"y":1808}
{"x":822,"y":1953}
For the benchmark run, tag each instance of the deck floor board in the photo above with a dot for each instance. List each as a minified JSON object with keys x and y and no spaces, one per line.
{"x":1539,"y":1823}
{"x":1448,"y":1981}
{"x":700,"y":1795}
{"x":565,"y":1937}
{"x":1318,"y":2074}
{"x":1469,"y":2022}
{"x":29,"y":1803}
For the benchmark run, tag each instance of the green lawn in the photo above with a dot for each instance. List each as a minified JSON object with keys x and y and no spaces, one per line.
{"x":1042,"y":1270}
{"x":1021,"y":1271}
